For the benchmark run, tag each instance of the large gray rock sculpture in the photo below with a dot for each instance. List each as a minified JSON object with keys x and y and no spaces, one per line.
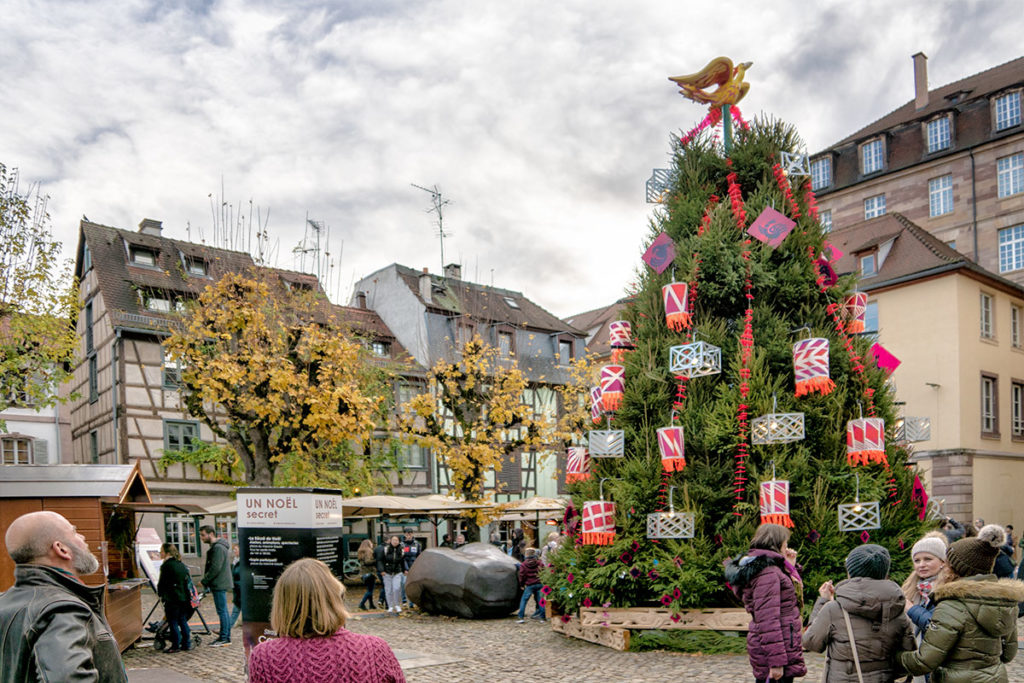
{"x":476,"y":581}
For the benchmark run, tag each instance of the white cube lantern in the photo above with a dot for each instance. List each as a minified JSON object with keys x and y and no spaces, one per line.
{"x":670,"y":525}
{"x":607,"y":443}
{"x":859,"y":516}
{"x":911,"y":429}
{"x":695,"y":360}
{"x":777,"y":428}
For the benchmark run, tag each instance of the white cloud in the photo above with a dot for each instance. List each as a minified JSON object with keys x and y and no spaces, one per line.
{"x":540,"y":121}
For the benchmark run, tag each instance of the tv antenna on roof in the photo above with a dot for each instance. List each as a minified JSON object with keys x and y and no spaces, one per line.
{"x":439,"y":204}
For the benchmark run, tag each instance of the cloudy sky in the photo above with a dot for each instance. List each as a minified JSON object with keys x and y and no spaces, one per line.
{"x":538,"y":120}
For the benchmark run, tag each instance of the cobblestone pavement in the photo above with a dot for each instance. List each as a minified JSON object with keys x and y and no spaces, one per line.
{"x":491,"y":650}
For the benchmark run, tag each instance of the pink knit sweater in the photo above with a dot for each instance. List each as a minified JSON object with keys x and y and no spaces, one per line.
{"x":345,"y":657}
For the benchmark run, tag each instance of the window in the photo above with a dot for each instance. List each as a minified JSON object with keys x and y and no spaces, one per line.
{"x":141,"y":256}
{"x":227,"y":527}
{"x":1010,"y":174}
{"x":1007,"y":110}
{"x":195,"y":266}
{"x":86,"y":259}
{"x":1011,"y":248}
{"x":951,"y":244}
{"x":171,"y":372}
{"x":179,"y":435}
{"x":15,"y":451}
{"x":181,"y":531}
{"x":825,"y":217}
{"x":1017,"y":410}
{"x":871,"y":318}
{"x":871,"y":157}
{"x":874,"y":206}
{"x":381,"y":349}
{"x":94,"y":388}
{"x":564,"y":352}
{"x":412,"y":456}
{"x":505,"y":345}
{"x":94,"y":447}
{"x":940,"y":195}
{"x":463,"y":334}
{"x":1015,"y":320}
{"x":88,"y":328}
{"x":938,"y":134}
{"x":987,"y":329}
{"x":821,"y":173}
{"x":989,"y":405}
{"x":156,"y":302}
{"x":511,"y":302}
{"x":868,"y":265}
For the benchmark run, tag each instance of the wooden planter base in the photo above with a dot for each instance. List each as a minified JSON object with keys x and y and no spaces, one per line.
{"x":610,"y":627}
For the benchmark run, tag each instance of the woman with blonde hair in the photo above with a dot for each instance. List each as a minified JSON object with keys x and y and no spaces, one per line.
{"x":308,"y":613}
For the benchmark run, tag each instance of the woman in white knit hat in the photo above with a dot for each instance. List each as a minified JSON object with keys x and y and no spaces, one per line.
{"x":929,"y":556}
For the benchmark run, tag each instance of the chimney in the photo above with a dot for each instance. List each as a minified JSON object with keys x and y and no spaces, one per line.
{"x":361,"y":300}
{"x":453,"y":271}
{"x":425,"y":285}
{"x":148,"y":226}
{"x":920,"y":80}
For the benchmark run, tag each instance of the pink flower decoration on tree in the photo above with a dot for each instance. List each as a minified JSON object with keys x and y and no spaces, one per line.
{"x":546,"y":590}
{"x":542,"y":602}
{"x":587,"y":602}
{"x":666,"y":600}
{"x":570,"y":577}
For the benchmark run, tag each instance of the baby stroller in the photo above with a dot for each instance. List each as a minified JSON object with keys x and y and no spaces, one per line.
{"x":162,"y":631}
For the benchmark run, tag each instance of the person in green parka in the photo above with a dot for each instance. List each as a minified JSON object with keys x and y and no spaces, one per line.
{"x":973,"y":632}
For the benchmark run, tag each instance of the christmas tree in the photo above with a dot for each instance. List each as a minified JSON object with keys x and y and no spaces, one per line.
{"x":754,"y":298}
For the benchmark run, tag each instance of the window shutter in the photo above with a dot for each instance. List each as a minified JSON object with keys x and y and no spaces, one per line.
{"x":510,"y":477}
{"x":40,"y":452}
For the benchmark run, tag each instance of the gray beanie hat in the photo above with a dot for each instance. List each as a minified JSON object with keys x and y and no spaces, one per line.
{"x":869,"y":560}
{"x":932,"y":545}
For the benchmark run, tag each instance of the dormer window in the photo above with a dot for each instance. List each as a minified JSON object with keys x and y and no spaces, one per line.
{"x":939,"y":137}
{"x":871,"y":156}
{"x":160,"y":301}
{"x":511,"y":302}
{"x":868,"y":265}
{"x":297,"y":286}
{"x":821,"y":173}
{"x":381,"y":349}
{"x":1008,"y":110}
{"x":86,"y":258}
{"x":195,"y":266}
{"x":141,"y":256}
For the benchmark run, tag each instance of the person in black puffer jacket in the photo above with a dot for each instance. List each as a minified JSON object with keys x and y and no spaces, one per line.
{"x":392,"y":567}
{"x":174,"y":588}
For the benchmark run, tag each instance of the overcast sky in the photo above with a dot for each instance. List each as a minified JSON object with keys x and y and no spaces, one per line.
{"x":539,"y":121}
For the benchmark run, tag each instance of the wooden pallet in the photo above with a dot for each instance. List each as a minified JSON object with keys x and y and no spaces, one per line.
{"x":615,"y":638}
{"x":610,"y":627}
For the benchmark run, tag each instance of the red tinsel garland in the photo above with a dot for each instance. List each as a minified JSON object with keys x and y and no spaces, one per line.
{"x":746,"y":347}
{"x":787,"y":191}
{"x":738,"y":117}
{"x":713,"y":118}
{"x":812,"y":205}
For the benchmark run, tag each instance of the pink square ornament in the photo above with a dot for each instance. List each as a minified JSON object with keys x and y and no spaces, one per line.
{"x":885,"y":360}
{"x":661,"y":253}
{"x":771,"y":227}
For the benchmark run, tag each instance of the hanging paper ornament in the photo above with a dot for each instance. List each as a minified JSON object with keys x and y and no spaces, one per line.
{"x":775,"y":502}
{"x":856,"y":311}
{"x":771,"y":227}
{"x":677,"y":305}
{"x":671,"y":445}
{"x":599,"y":520}
{"x":810,"y":364}
{"x":883,"y":359}
{"x":606,"y":443}
{"x":777,"y":427}
{"x":865,"y":441}
{"x":596,"y":405}
{"x":577,"y":464}
{"x":613,"y":383}
{"x":920,"y":497}
{"x":620,"y":337}
{"x":661,"y":253}
{"x":695,"y":360}
{"x":858,"y":516}
{"x":670,"y":524}
{"x":910,"y":429}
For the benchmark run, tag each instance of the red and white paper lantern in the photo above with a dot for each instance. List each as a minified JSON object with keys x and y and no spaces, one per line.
{"x":856,"y":310}
{"x":671,"y":444}
{"x":613,"y":384}
{"x":775,"y":503}
{"x":677,"y":305}
{"x":577,"y":464}
{"x":621,"y":339}
{"x":598,"y":522}
{"x":596,"y":406}
{"x":810,"y":365}
{"x":865,"y":441}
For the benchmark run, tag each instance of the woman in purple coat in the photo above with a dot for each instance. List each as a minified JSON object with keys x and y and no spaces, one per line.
{"x":767,"y":580}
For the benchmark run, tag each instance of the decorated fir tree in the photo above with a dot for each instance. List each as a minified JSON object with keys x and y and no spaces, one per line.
{"x":757,"y":300}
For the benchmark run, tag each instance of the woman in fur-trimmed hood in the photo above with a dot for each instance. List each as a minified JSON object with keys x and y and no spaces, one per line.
{"x":973,"y":632}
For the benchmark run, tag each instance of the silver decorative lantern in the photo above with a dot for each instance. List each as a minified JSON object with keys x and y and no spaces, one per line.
{"x":695,"y":360}
{"x":606,"y":443}
{"x":934,"y":510}
{"x":777,"y":427}
{"x":795,"y":164}
{"x":858,"y":516}
{"x":911,"y":429}
{"x":670,"y":524}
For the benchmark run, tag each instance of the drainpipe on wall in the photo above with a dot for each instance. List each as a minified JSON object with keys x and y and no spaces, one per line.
{"x":974,"y":207}
{"x":113,"y":392}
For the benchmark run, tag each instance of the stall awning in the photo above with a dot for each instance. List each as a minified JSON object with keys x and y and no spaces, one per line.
{"x":109,"y":483}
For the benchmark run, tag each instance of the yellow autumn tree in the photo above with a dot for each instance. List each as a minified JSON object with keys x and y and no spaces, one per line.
{"x":279,"y":377}
{"x":474,"y":417}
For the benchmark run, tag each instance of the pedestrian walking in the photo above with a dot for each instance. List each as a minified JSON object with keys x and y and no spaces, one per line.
{"x":551,"y":545}
{"x":859,"y":623}
{"x":236,"y":585}
{"x":308,"y":613}
{"x":529,"y":581}
{"x":378,"y":556}
{"x":973,"y":631}
{"x":446,"y":541}
{"x":460,"y":540}
{"x":52,"y":626}
{"x":368,"y":567}
{"x":174,"y":587}
{"x":411,"y":549}
{"x":517,"y":545}
{"x":391,"y":567}
{"x":217,"y":579}
{"x":767,"y":579}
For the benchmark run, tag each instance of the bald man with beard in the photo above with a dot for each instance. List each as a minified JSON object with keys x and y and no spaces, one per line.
{"x":52,"y":626}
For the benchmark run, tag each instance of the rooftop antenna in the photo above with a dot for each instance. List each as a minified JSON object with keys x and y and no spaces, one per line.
{"x":439,"y":204}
